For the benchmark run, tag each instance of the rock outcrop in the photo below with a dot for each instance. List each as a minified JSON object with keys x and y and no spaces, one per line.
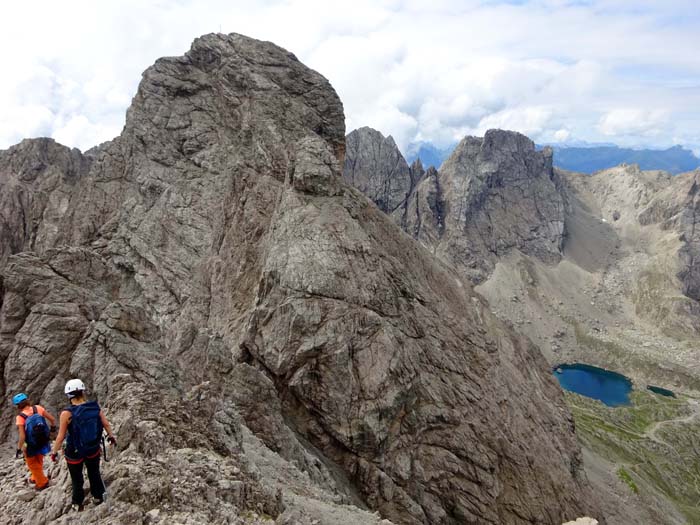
{"x":37,"y":179}
{"x":491,"y":196}
{"x":266,"y":341}
{"x":601,"y":269}
{"x":676,"y":207}
{"x":375,"y":166}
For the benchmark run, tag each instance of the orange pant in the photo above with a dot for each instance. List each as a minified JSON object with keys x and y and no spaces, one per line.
{"x":35,"y":464}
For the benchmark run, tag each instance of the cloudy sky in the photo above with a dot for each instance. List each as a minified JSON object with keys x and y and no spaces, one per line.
{"x":622,"y":71}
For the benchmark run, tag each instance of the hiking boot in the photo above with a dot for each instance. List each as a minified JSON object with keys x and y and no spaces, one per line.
{"x":42,"y":488}
{"x":97,"y":501}
{"x":76,"y":508}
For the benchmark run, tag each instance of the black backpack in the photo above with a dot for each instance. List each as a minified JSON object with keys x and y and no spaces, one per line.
{"x":36,"y":432}
{"x":85,"y":429}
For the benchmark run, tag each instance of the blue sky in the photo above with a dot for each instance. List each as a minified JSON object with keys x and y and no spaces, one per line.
{"x":558,"y":70}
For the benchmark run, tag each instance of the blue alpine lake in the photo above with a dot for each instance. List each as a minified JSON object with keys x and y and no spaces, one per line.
{"x":661,"y":391}
{"x":611,"y":388}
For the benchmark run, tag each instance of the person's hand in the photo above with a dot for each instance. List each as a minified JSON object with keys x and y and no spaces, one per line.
{"x":112,"y":441}
{"x":19,"y":453}
{"x":54,"y":456}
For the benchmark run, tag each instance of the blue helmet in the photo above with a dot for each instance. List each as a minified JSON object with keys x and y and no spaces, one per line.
{"x":18,"y":399}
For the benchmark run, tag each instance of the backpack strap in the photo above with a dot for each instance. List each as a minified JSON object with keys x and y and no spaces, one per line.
{"x":25,"y":416}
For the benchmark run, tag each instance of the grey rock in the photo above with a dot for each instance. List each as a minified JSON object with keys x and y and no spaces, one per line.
{"x":375,"y":166}
{"x":682,"y":215}
{"x":424,"y":214}
{"x":492,"y":196}
{"x":213,"y":275}
{"x":26,"y":495}
{"x":37,"y":179}
{"x":675,"y":207}
{"x":312,"y":168}
{"x":659,"y":210}
{"x":345,"y":349}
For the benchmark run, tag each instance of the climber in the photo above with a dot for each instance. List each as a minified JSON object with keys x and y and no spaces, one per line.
{"x":83,"y":422}
{"x":34,"y":440}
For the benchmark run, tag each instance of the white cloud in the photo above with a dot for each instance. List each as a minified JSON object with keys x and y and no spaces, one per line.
{"x":79,"y":130}
{"x":17,"y":122}
{"x":531,"y":121}
{"x":633,"y":121}
{"x":562,"y":135}
{"x":555,"y":69}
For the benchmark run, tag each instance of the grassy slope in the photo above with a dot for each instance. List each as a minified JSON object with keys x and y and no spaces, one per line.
{"x":655,"y":444}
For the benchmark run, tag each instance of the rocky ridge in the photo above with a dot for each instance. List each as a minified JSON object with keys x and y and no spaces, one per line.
{"x":251,"y":326}
{"x":375,"y":166}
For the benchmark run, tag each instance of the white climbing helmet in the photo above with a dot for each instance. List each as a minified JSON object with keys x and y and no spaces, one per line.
{"x":74,"y":385}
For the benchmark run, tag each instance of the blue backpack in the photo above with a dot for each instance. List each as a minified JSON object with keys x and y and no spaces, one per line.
{"x":85,"y":430}
{"x":36,"y":432}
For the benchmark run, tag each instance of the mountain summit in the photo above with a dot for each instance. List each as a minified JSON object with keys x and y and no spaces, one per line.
{"x":492,"y":195}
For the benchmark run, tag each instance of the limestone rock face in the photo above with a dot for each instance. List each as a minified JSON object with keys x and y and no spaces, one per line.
{"x":375,"y":166}
{"x":37,"y":178}
{"x":353,"y":355}
{"x":676,"y":207}
{"x":264,"y":339}
{"x":424,"y":213}
{"x":492,"y":195}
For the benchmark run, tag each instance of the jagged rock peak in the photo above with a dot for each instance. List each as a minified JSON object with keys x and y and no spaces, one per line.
{"x":30,"y":159}
{"x":495,"y":144}
{"x":188,"y":104}
{"x":376,"y":167}
{"x":417,"y":171}
{"x":492,"y":195}
{"x":505,"y":140}
{"x":368,"y":133}
{"x":417,"y":165}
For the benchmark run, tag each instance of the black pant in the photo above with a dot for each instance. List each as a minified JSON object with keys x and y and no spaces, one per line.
{"x":97,"y":487}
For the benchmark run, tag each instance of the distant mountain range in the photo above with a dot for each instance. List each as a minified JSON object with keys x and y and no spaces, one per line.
{"x":428,"y":153}
{"x":591,"y":159}
{"x":583,"y":158}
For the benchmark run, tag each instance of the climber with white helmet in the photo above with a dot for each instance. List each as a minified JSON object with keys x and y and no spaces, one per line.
{"x":81,"y":426}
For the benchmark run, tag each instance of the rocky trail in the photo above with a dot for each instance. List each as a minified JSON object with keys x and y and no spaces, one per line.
{"x":653,"y":429}
{"x":646,"y":453}
{"x":25,"y":505}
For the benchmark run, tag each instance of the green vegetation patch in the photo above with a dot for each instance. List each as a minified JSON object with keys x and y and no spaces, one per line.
{"x":625,"y":476}
{"x":654,"y":442}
